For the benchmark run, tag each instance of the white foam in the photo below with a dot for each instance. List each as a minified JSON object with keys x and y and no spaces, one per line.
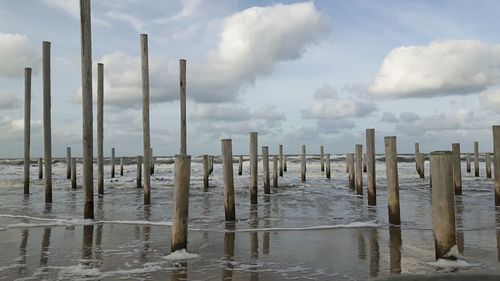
{"x":446,"y":263}
{"x":181,"y":255}
{"x":319,"y":227}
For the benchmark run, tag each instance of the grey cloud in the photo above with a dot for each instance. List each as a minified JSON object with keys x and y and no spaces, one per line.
{"x":9,"y":101}
{"x":389,"y":117}
{"x":408,"y":116}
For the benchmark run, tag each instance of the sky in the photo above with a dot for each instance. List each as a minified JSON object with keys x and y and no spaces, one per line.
{"x":314,"y":73}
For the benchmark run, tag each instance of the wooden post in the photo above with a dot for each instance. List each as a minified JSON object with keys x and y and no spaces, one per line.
{"x":364,"y":162}
{"x":284,"y":163}
{"x":328,"y":165}
{"x":145,"y":117}
{"x":73,"y":173}
{"x":391,"y":168}
{"x":281,"y":164}
{"x":205,"y":172}
{"x":152,"y":166}
{"x":139,"y":172}
{"x":457,"y":169}
{"x":87,"y":136}
{"x":421,"y":165}
{"x":351,"y":170}
{"x":253,"y":168}
{"x":240,"y":165}
{"x":303,"y":164}
{"x":417,"y":154}
{"x":121,"y":166}
{"x":113,"y":162}
{"x":68,"y":162}
{"x":180,"y":214}
{"x":27,"y":128}
{"x":227,"y":167}
{"x":40,"y":168}
{"x":211,"y":164}
{"x":100,"y":128}
{"x":275,"y":171}
{"x":370,"y":167}
{"x":487,"y":157}
{"x":47,"y":134}
{"x":467,"y":160}
{"x":322,"y":159}
{"x":182,"y":99}
{"x":496,"y":162}
{"x":265,"y":166}
{"x":346,"y":164}
{"x":476,"y":159}
{"x":359,"y":168}
{"x":443,"y":203}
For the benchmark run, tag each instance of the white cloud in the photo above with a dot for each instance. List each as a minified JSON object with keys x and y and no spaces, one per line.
{"x":440,"y":68}
{"x":16,"y":53}
{"x":72,"y":8}
{"x":408,"y":116}
{"x":490,"y":100}
{"x":389,"y":117}
{"x":326,"y":91}
{"x":339,"y":108}
{"x":9,"y":101}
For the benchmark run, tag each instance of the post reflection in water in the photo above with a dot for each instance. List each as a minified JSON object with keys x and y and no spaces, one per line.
{"x":267,"y":224}
{"x":395,"y":243}
{"x":361,"y":245}
{"x":180,"y":273}
{"x":497,"y":220}
{"x":22,"y":249}
{"x":254,"y":242}
{"x":374,"y":252}
{"x":459,"y":208}
{"x":229,"y":237}
{"x":98,"y":244}
{"x":146,"y":234}
{"x":44,"y":256}
{"x":87,"y":241}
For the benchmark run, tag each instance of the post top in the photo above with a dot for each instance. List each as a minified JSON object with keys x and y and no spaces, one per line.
{"x":496,"y":126}
{"x":443,"y":152}
{"x":225,"y":140}
{"x":389,"y":137}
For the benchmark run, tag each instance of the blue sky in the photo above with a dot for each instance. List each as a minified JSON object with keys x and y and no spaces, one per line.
{"x":315,"y":73}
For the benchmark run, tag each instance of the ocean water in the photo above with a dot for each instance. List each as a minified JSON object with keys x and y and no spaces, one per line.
{"x":317,"y":230}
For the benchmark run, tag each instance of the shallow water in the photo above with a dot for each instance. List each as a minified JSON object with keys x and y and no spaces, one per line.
{"x":319,"y":230}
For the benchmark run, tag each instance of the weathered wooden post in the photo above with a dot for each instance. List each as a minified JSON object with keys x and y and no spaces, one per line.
{"x":121,"y":166}
{"x":281,"y":164}
{"x":180,"y":214}
{"x":284,"y":163}
{"x":112,"y":162}
{"x":211,"y":164}
{"x":265,"y":166}
{"x":417,"y":154}
{"x":152,"y":166}
{"x":87,"y":136}
{"x":346,"y":164}
{"x":467,"y":160}
{"x":391,"y":168}
{"x":227,"y":164}
{"x":359,"y":168}
{"x":68,"y":162}
{"x":351,"y":170}
{"x":275,"y":171}
{"x":145,"y":117}
{"x":364,"y":162}
{"x":100,"y":128}
{"x":476,"y":159}
{"x":322,"y":159}
{"x":27,"y":128}
{"x":253,"y":168}
{"x":240,"y":165}
{"x":182,"y":99}
{"x":443,"y":203}
{"x":303,"y":164}
{"x":205,"y":172}
{"x":487,"y":160}
{"x":370,"y":167}
{"x":457,"y":168}
{"x":73,"y":173}
{"x":40,"y":168}
{"x":496,"y":162}
{"x":47,"y":134}
{"x":327,"y":165}
{"x":139,"y":172}
{"x":421,"y":165}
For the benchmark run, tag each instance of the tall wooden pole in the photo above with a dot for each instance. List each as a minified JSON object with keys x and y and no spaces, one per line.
{"x":303,"y":164}
{"x":182,"y":67}
{"x":227,"y":167}
{"x":206,"y":172}
{"x":476,"y":159}
{"x":73,"y":173}
{"x":417,"y":154}
{"x":496,"y":162}
{"x":240,"y":165}
{"x":87,"y":143}
{"x":467,"y":160}
{"x":112,"y":162}
{"x":457,"y":168}
{"x":284,"y":163}
{"x":27,"y":128}
{"x":145,"y":118}
{"x":253,"y":167}
{"x":68,"y":162}
{"x":139,"y":172}
{"x":370,"y":167}
{"x":275,"y":171}
{"x":322,"y":157}
{"x":443,"y":203}
{"x":100,"y":128}
{"x":328,"y":165}
{"x":421,"y":165}
{"x":152,"y":166}
{"x":265,"y":166}
{"x":47,"y":131}
{"x":359,"y":168}
{"x":351,"y":170}
{"x":280,"y":164}
{"x":391,"y":168}
{"x":121,"y":166}
{"x":487,"y":157}
{"x":40,"y":168}
{"x":180,"y":214}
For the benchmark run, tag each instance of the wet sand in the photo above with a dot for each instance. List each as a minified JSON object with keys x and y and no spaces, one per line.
{"x":314,"y":231}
